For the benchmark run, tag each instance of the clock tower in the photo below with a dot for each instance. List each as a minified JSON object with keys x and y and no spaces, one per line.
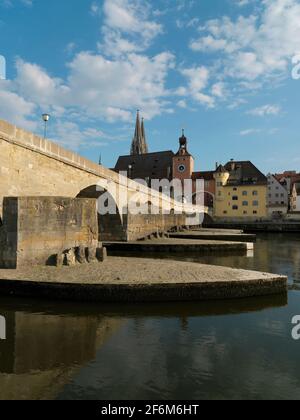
{"x":183,"y":161}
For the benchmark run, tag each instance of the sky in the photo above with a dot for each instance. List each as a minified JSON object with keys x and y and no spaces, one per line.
{"x":224,"y":70}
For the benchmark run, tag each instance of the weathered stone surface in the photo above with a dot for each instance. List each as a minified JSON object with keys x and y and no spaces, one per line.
{"x":101,"y":254}
{"x":59,"y":259}
{"x":91,"y":253}
{"x":80,"y":253}
{"x":70,"y":258}
{"x":36,"y":228}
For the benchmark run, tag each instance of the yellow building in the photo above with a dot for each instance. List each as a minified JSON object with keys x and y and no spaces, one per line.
{"x":241,"y":192}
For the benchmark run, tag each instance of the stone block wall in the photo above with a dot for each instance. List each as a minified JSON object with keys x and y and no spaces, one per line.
{"x":140,"y":226}
{"x":36,"y":228}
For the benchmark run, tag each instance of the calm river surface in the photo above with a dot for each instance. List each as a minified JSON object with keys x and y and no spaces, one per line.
{"x":217,"y":350}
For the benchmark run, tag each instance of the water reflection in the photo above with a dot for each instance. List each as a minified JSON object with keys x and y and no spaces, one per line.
{"x":43,"y":350}
{"x":50,"y":343}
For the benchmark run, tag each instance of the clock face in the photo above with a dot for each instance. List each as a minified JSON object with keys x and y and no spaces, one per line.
{"x":181,"y":168}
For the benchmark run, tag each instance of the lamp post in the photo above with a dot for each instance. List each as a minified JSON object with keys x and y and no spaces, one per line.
{"x":129,"y":171}
{"x":46,"y":118}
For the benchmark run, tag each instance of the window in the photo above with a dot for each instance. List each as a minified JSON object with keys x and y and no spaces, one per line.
{"x":245,"y":193}
{"x":220,"y":193}
{"x":245,"y":203}
{"x":245,"y":212}
{"x":254,"y":193}
{"x":219,"y":184}
{"x":255,"y":212}
{"x":235,"y":189}
{"x":235,"y":198}
{"x":255,"y":203}
{"x":224,"y":212}
{"x":235,"y":207}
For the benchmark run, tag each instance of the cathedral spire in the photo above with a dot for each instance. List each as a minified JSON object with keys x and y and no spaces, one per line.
{"x":139,"y":144}
{"x":145,"y":145}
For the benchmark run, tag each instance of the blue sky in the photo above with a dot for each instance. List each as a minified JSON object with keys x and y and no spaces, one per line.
{"x":222,"y":69}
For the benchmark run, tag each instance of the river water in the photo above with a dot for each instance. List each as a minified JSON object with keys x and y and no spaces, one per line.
{"x":239,"y":349}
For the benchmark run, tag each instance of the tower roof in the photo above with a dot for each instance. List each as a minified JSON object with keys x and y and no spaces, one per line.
{"x":139,"y":144}
{"x":221,"y":169}
{"x":183,"y":146}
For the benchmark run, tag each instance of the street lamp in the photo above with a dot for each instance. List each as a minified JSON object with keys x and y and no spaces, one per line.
{"x":46,"y":118}
{"x":129,"y":171}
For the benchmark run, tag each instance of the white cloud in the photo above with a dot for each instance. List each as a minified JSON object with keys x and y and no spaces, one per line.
{"x":14,"y":3}
{"x":34,"y":83}
{"x":16,"y":109}
{"x":197,"y":79}
{"x":242,"y":3}
{"x":127,"y":27}
{"x":69,"y":133}
{"x":182,"y":104}
{"x":249,"y":132}
{"x":112,"y":88}
{"x":258,"y":46}
{"x":104,"y":86}
{"x":265,"y":110}
{"x":218,"y":90}
{"x":95,"y":89}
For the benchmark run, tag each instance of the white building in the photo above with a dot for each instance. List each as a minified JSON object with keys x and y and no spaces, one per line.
{"x":278,"y":198}
{"x":295,"y":199}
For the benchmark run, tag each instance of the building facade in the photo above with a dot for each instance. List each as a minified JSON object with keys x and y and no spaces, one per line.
{"x":236,"y":190}
{"x":209,"y":186}
{"x":278,"y":197}
{"x":241,"y":192}
{"x":295,"y":198}
{"x":165,"y":165}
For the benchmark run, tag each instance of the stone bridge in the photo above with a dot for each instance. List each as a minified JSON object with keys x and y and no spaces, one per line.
{"x":31,"y":166}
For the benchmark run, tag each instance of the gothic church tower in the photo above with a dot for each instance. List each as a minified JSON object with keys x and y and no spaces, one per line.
{"x":139,"y":143}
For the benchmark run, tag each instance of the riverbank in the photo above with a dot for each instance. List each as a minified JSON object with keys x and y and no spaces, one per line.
{"x":259,"y":226}
{"x":139,"y":280}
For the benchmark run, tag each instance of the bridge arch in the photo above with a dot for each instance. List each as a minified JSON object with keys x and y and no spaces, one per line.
{"x":110,"y":224}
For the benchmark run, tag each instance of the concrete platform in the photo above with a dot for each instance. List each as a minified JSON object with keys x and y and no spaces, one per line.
{"x":172,"y":245}
{"x":234,"y":231}
{"x":214,"y":235}
{"x":139,"y":280}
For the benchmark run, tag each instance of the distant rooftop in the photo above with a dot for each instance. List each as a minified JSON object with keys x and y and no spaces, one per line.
{"x":244,"y":173}
{"x":154,"y":165}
